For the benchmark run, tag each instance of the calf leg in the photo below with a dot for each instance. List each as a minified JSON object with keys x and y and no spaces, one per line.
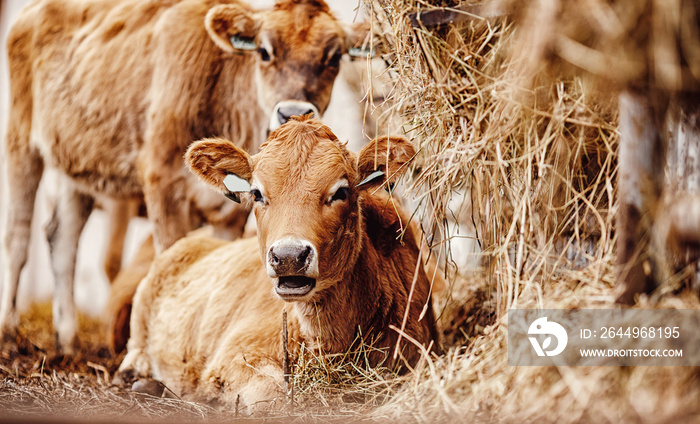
{"x":137,"y":363}
{"x":63,"y":233}
{"x":119,"y":306}
{"x":120,"y":213}
{"x":164,"y":175}
{"x":169,"y":210}
{"x":24,"y":170}
{"x":250,"y":381}
{"x":168,"y":207}
{"x":676,"y":235}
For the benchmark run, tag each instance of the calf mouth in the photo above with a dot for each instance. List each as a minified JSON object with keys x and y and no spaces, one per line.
{"x":292,"y":286}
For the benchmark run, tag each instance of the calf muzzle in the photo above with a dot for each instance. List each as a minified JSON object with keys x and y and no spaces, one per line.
{"x":293,"y":265}
{"x":285,"y":110}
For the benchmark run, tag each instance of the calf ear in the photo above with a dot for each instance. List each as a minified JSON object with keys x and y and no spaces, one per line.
{"x":382,"y":160}
{"x":231,"y":26}
{"x":219,"y":163}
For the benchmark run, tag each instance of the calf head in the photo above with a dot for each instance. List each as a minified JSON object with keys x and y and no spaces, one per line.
{"x":298,"y":46}
{"x":308,"y":190}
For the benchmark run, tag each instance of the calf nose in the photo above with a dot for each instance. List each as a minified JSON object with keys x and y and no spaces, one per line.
{"x":291,"y":257}
{"x":289,"y":260}
{"x":284,"y":113}
{"x":285,"y":110}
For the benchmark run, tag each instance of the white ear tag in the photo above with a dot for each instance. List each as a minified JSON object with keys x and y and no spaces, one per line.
{"x":240,"y":43}
{"x":360,"y":52}
{"x":373,"y":176}
{"x":235,"y":184}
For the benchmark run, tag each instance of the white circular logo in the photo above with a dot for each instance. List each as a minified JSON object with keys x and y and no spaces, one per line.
{"x":539,"y":327}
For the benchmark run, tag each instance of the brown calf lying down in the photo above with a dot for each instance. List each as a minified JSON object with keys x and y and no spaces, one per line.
{"x":207,"y":319}
{"x":118,"y":310}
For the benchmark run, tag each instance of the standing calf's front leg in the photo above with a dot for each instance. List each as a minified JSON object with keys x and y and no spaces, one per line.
{"x":167,"y":206}
{"x":164,"y":180}
{"x":63,"y":233}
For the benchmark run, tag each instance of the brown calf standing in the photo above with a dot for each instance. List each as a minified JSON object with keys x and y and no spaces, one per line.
{"x":206,"y":320}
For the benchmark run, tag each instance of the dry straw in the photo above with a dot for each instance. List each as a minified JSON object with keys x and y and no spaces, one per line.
{"x":535,"y":156}
{"x":505,"y":115}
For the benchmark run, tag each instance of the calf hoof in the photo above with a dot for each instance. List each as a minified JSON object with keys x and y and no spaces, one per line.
{"x":8,"y":327}
{"x":8,"y":340}
{"x":66,"y":347}
{"x":153,"y":387}
{"x":124,"y":377}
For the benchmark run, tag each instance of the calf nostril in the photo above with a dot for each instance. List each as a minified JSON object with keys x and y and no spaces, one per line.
{"x":284,"y":114}
{"x":282,"y":117}
{"x":304,"y":255}
{"x":290,"y":257}
{"x":274,"y":260}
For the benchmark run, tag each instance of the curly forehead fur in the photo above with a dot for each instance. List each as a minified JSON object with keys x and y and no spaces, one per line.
{"x":317,"y":5}
{"x":300,"y":138}
{"x":298,"y":22}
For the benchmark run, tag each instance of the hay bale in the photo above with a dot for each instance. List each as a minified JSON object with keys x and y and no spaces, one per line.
{"x":538,"y":160}
{"x":500,"y":107}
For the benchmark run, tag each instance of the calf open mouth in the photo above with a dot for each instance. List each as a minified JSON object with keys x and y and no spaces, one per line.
{"x":294,"y":285}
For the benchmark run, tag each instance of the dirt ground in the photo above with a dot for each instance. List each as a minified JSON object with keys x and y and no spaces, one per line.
{"x":39,"y":385}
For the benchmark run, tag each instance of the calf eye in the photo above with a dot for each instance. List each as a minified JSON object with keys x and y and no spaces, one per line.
{"x":334,"y":60}
{"x":342,"y":194}
{"x":264,"y":54}
{"x":257,"y":196}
